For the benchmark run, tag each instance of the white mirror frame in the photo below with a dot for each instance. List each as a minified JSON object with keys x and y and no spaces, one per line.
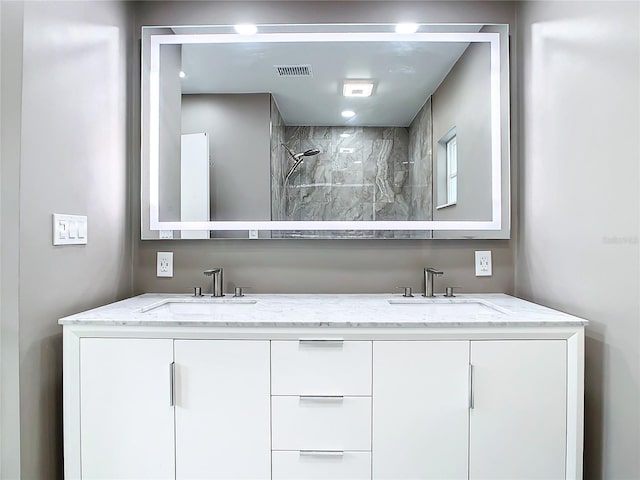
{"x":496,"y":222}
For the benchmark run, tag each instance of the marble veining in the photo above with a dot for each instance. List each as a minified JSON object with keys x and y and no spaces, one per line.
{"x":421,"y":163}
{"x":361,"y":174}
{"x":278,"y":162}
{"x":321,"y":310}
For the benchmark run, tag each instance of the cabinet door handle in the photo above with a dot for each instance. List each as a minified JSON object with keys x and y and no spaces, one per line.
{"x":172,"y":384}
{"x":322,"y":453}
{"x":322,"y":342}
{"x":471,"y":400}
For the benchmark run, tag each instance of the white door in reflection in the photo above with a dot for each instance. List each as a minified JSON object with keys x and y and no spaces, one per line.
{"x":194,"y":182}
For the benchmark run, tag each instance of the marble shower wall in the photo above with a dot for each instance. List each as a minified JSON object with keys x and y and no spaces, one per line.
{"x":361,"y":173}
{"x":362,"y":176}
{"x":421,"y":164}
{"x":278,"y":163}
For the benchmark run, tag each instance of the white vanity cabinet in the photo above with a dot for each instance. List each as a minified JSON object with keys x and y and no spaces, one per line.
{"x":421,"y":409}
{"x":222,"y":396}
{"x":266,"y":394}
{"x":321,"y":409}
{"x":518,"y":423}
{"x":470,"y":409}
{"x":174,"y":409}
{"x":126,"y":417}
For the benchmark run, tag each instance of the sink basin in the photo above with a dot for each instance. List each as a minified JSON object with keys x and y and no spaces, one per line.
{"x":449,"y":306}
{"x":198,"y":306}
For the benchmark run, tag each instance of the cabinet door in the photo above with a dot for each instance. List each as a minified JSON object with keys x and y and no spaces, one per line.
{"x":420,"y":409}
{"x":222,"y":409}
{"x":126,"y":415}
{"x":518,"y":423}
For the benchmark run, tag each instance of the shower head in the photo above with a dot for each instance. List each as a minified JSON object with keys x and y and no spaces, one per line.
{"x":311,"y":152}
{"x":297,"y":156}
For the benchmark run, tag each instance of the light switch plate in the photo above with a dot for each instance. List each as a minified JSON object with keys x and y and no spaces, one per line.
{"x":69,"y":229}
{"x":165,"y":264}
{"x":483,"y":263}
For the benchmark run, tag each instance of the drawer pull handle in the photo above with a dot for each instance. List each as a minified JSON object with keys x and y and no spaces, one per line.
{"x":322,"y":453}
{"x":322,"y":342}
{"x":322,"y":398}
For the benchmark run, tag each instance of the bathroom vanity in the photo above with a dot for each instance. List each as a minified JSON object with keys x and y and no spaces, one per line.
{"x":323,"y":386}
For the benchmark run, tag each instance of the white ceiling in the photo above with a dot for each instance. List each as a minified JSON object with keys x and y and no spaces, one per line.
{"x":404,"y":74}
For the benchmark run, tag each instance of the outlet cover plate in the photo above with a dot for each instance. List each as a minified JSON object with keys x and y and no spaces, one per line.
{"x":483,"y":264}
{"x":164,"y":264}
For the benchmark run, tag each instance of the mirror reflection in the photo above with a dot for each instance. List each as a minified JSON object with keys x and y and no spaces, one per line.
{"x":325,"y":131}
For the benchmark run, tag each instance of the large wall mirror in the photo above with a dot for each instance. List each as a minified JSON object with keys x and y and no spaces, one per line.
{"x":325,"y":131}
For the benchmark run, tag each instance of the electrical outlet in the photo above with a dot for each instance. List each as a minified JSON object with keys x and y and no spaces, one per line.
{"x":165,"y":264}
{"x":483,"y":264}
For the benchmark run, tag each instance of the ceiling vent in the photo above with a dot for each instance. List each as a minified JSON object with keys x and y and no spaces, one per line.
{"x":294,"y":70}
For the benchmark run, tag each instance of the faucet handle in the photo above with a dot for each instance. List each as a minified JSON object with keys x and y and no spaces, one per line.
{"x":448,"y":292}
{"x":407,"y":291}
{"x":237,"y":292}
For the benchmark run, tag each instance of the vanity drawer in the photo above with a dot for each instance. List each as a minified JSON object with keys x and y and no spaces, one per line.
{"x":316,"y":423}
{"x":321,"y":465}
{"x":320,"y":367}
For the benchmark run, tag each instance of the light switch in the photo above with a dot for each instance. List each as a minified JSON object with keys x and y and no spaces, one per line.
{"x":82,"y":228}
{"x":63,"y":230}
{"x":73,"y":229}
{"x":69,"y":229}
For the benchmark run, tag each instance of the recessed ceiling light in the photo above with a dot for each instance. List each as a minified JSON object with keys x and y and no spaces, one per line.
{"x":407,"y":27}
{"x":182,"y":74}
{"x":348,"y":113}
{"x":345,"y":135}
{"x":357,"y":89}
{"x":246,"y":29}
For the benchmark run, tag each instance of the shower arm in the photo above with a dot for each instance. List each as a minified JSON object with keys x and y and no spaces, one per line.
{"x":291,"y":154}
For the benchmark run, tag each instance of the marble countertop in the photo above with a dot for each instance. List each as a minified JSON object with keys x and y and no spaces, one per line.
{"x":324,"y":310}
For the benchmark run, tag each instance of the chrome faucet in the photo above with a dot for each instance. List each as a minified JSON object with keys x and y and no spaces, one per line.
{"x":216,"y":275}
{"x":429,"y":274}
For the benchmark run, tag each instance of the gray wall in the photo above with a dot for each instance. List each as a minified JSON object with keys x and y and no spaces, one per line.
{"x":169,"y":155}
{"x":11,"y":14}
{"x":579,"y":203}
{"x":237,"y":127}
{"x":463,"y":101}
{"x":74,"y":159}
{"x":316,"y":265}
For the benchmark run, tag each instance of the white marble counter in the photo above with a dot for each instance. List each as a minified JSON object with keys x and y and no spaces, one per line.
{"x":325,"y":310}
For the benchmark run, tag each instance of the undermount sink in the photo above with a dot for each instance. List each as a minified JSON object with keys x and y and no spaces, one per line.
{"x":449,"y":306}
{"x":198,"y":306}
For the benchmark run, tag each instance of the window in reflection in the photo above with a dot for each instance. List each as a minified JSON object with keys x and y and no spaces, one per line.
{"x":447,"y":169}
